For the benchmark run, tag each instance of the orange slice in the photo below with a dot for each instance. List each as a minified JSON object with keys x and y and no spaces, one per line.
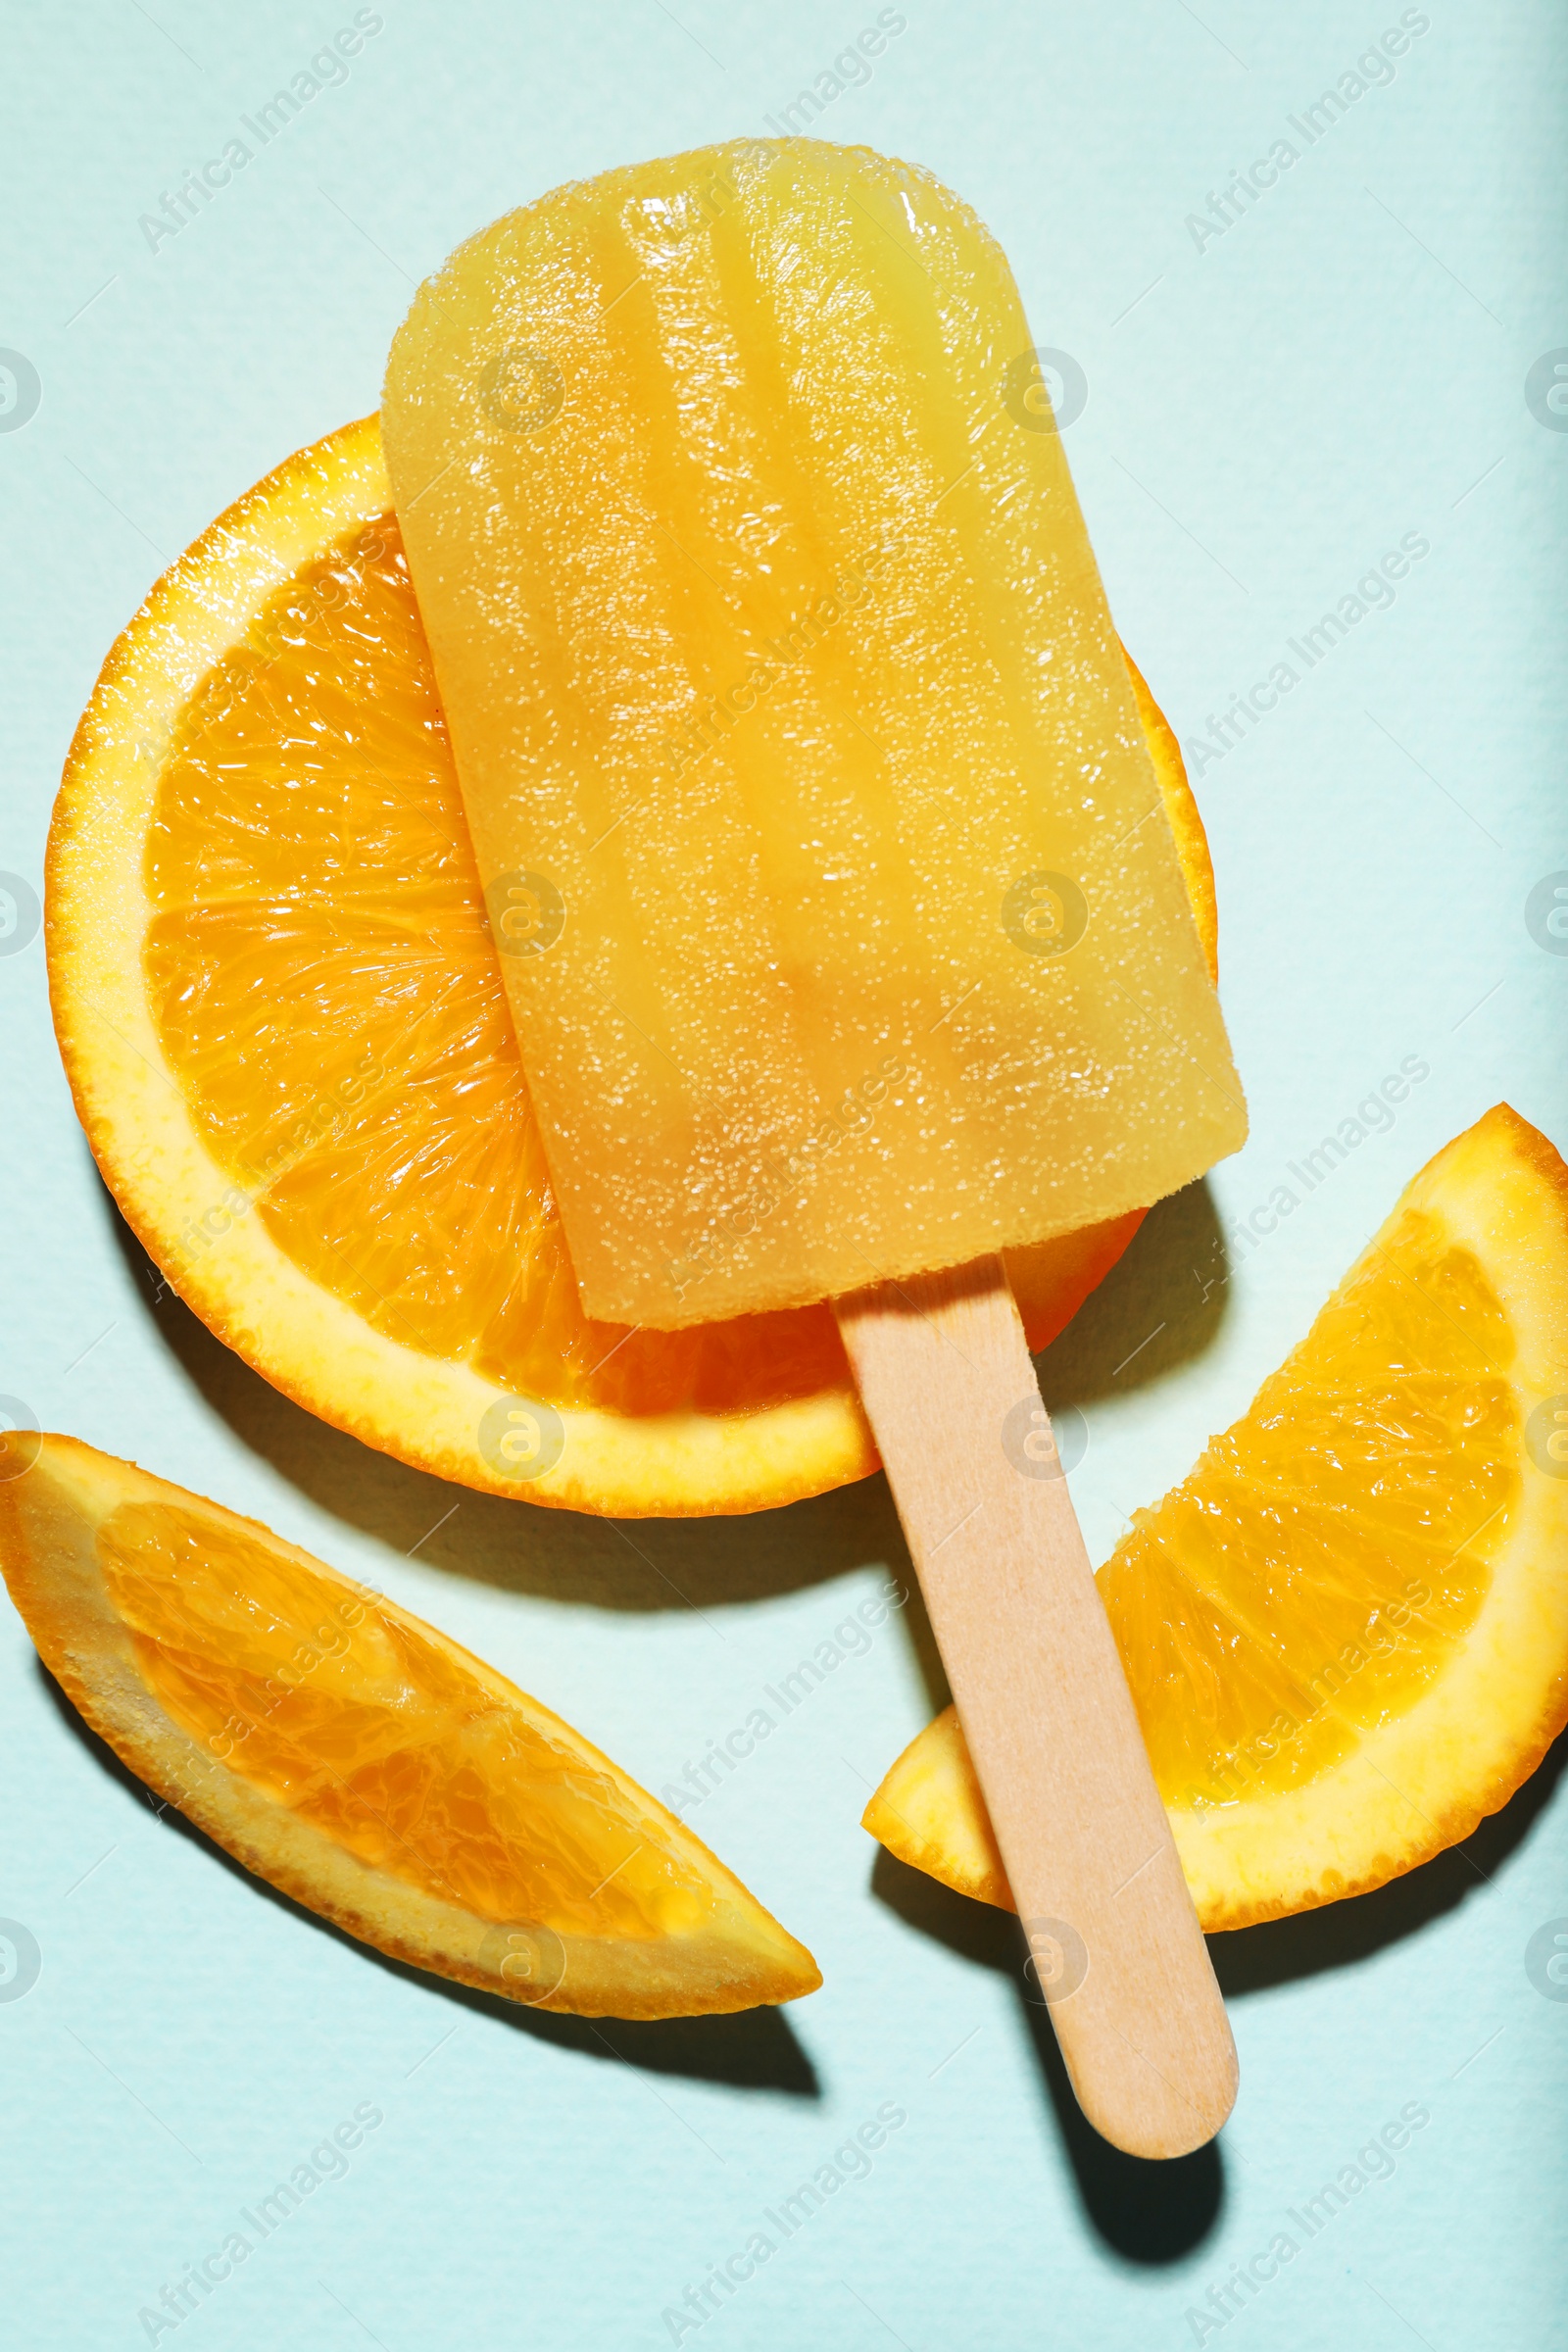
{"x":360,"y":1760}
{"x":1347,"y":1631}
{"x":283,"y":1023}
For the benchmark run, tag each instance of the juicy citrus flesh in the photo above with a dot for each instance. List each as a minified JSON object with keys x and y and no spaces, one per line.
{"x":1329,"y":1554}
{"x":361,"y":1760}
{"x":327,"y":989}
{"x":291,"y":1051}
{"x":376,"y":1729}
{"x":324,"y":984}
{"x":1335,"y":1571}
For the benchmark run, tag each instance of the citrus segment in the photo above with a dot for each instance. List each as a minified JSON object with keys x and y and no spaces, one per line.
{"x":363,"y":1763}
{"x":315,"y":902}
{"x":1347,"y":1631}
{"x":282,"y":1016}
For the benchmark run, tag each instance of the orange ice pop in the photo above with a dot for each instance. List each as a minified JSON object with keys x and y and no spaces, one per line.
{"x":839,"y":919}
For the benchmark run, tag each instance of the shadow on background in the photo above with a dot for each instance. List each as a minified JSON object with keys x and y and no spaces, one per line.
{"x":1146,"y":2212}
{"x":641,"y":1565}
{"x":1161,"y":1305}
{"x":1158,"y":2213}
{"x":1152,"y":1307}
{"x":754,"y":2050}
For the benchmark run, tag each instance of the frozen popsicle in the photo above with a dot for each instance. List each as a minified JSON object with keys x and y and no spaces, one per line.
{"x":841,"y":923}
{"x":839,"y":919}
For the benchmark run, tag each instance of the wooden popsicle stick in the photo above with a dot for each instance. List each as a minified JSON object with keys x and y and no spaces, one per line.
{"x":946,"y":1383}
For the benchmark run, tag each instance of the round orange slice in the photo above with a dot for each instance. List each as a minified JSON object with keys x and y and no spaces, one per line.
{"x":358,"y":1760}
{"x":1347,"y":1631}
{"x":283,"y":1022}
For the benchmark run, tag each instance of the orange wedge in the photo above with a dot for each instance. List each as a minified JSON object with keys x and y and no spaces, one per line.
{"x":283,"y":1022}
{"x":1347,"y":1631}
{"x":362,"y":1762}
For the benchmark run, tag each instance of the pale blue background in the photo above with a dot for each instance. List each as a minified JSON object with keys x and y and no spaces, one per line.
{"x":1265,"y":418}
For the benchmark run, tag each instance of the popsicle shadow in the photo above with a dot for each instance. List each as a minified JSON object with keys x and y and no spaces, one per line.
{"x":1154,"y":1308}
{"x":1160,"y":1305}
{"x":755,"y":2050}
{"x":1146,"y":2212}
{"x":641,"y":1564}
{"x":1158,"y":2213}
